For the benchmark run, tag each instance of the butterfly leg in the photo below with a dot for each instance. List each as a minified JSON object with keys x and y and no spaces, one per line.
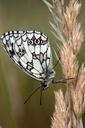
{"x":41,"y":91}
{"x":32,"y":94}
{"x":54,"y":81}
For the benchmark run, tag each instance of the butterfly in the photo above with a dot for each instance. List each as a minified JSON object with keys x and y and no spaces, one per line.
{"x":31,"y":51}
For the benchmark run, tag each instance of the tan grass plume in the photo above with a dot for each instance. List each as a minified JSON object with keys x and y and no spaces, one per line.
{"x":70,"y":106}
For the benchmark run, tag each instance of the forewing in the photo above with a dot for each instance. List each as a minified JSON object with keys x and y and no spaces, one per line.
{"x":30,"y":50}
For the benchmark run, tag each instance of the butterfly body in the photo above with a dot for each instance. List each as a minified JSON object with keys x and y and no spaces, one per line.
{"x":31,"y":51}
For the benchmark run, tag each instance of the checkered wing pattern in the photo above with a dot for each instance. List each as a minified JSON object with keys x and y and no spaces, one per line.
{"x":30,"y":50}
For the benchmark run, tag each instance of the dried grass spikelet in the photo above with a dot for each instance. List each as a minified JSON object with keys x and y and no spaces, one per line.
{"x":68,"y":54}
{"x":70,"y":37}
{"x":56,"y":9}
{"x":74,"y":33}
{"x":78,"y":94}
{"x":61,"y":117}
{"x":70,"y":65}
{"x":69,"y":62}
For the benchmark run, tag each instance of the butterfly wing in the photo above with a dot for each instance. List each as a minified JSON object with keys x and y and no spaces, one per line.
{"x":30,"y":50}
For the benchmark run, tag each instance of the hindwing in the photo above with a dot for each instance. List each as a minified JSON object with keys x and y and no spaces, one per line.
{"x":30,"y":50}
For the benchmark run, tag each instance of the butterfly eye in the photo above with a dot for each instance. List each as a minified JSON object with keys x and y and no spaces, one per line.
{"x":52,"y":72}
{"x":44,"y":86}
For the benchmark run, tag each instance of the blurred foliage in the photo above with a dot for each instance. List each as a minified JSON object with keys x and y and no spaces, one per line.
{"x":15,"y":85}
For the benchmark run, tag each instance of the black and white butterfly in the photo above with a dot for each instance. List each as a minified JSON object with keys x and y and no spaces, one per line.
{"x":31,"y":51}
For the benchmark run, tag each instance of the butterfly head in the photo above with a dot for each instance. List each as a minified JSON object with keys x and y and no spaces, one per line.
{"x":50,"y":74}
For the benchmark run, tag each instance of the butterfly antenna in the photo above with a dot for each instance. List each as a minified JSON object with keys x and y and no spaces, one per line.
{"x":32,"y":94}
{"x":58,"y":58}
{"x":56,"y":63}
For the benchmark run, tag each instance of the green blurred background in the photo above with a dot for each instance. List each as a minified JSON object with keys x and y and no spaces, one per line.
{"x":15,"y":85}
